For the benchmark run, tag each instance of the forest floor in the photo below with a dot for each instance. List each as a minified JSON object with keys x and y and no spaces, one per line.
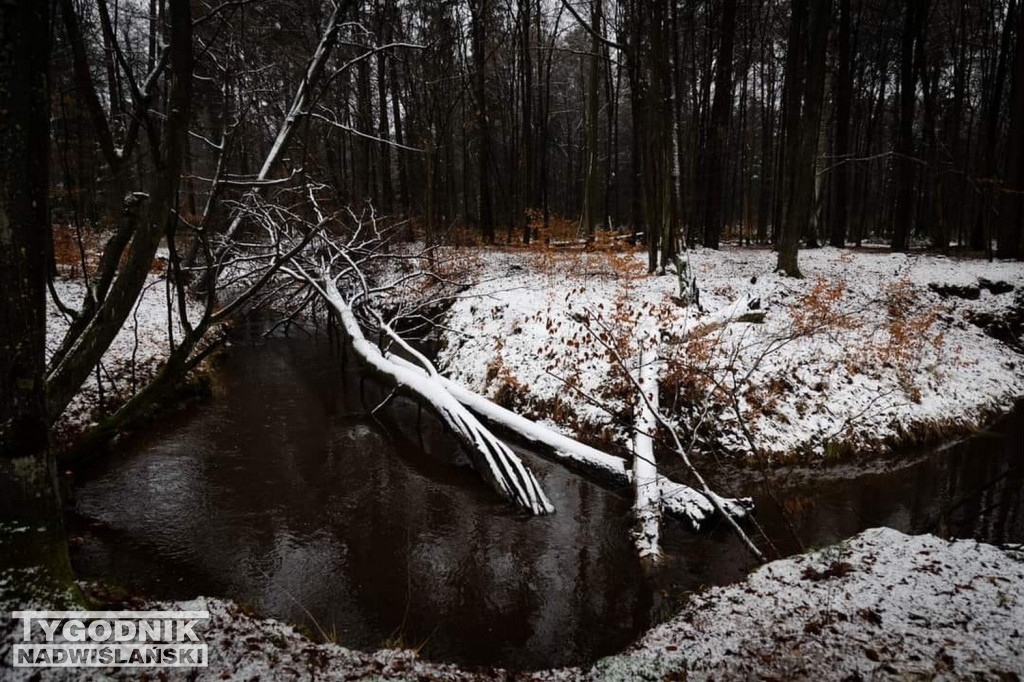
{"x":869,"y":352}
{"x":881,"y":605}
{"x":132,"y":360}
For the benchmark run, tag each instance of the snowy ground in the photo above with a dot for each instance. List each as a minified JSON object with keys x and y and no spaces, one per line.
{"x":881,"y":605}
{"x":869,"y":351}
{"x":133,"y":358}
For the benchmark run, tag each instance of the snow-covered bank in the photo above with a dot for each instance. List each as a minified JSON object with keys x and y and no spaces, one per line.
{"x":870,"y":350}
{"x":881,"y":605}
{"x":134,"y":357}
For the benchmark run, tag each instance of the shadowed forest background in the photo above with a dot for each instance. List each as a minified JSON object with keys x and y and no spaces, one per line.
{"x":689,"y":122}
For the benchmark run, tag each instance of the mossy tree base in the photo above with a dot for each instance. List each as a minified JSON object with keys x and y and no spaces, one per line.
{"x":33,"y":546}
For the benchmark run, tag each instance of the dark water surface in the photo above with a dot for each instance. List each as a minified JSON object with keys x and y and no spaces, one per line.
{"x":280,"y":493}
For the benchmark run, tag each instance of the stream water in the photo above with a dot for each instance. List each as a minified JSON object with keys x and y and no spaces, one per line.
{"x":282,"y":494}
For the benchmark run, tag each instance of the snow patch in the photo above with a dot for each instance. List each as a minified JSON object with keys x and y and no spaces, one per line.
{"x":861,"y":354}
{"x":133,"y":358}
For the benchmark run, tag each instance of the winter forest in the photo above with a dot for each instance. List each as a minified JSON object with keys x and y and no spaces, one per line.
{"x":514,"y":339}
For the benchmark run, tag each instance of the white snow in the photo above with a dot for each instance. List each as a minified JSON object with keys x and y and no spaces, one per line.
{"x":880,"y":605}
{"x":135,"y":355}
{"x":857,"y":355}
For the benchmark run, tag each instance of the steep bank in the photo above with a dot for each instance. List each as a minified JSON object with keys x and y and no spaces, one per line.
{"x":869,"y":352}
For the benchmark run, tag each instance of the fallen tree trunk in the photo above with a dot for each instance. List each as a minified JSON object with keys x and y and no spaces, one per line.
{"x":647,"y":496}
{"x":495,"y":461}
{"x":609,"y":469}
{"x":679,"y":500}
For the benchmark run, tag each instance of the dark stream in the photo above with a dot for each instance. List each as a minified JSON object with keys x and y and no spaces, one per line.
{"x":282,"y":494}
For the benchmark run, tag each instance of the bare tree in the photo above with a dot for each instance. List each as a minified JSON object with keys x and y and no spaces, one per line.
{"x":28,"y":483}
{"x":805,"y":85}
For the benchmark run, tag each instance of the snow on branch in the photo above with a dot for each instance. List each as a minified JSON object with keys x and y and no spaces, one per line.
{"x":497,"y":464}
{"x":647,"y":498}
{"x":676,"y":499}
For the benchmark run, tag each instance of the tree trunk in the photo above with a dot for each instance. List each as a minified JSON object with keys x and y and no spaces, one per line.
{"x":955,"y":206}
{"x":590,"y":164}
{"x":479,"y":9}
{"x":652,"y":112}
{"x":366,"y":168}
{"x":28,"y":485}
{"x":902,"y":227}
{"x":526,"y":45}
{"x":387,"y":198}
{"x":844,"y":98}
{"x":766,"y":189}
{"x":789,"y":234}
{"x":981,"y":237}
{"x":721,"y":111}
{"x":64,"y":380}
{"x":1011,"y":229}
{"x":402,"y":191}
{"x":802,"y":205}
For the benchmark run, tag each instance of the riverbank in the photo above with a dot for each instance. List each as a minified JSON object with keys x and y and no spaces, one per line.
{"x":868,"y":353}
{"x":134,"y":357}
{"x":881,"y":605}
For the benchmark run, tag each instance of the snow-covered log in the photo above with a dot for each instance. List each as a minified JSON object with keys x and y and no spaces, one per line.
{"x":501,"y":467}
{"x":571,"y":453}
{"x":678,"y":500}
{"x":495,"y":461}
{"x":647,"y":497}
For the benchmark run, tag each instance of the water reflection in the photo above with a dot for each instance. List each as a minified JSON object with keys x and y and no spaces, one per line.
{"x":968,"y":490}
{"x":276,"y":494}
{"x":281,"y":494}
